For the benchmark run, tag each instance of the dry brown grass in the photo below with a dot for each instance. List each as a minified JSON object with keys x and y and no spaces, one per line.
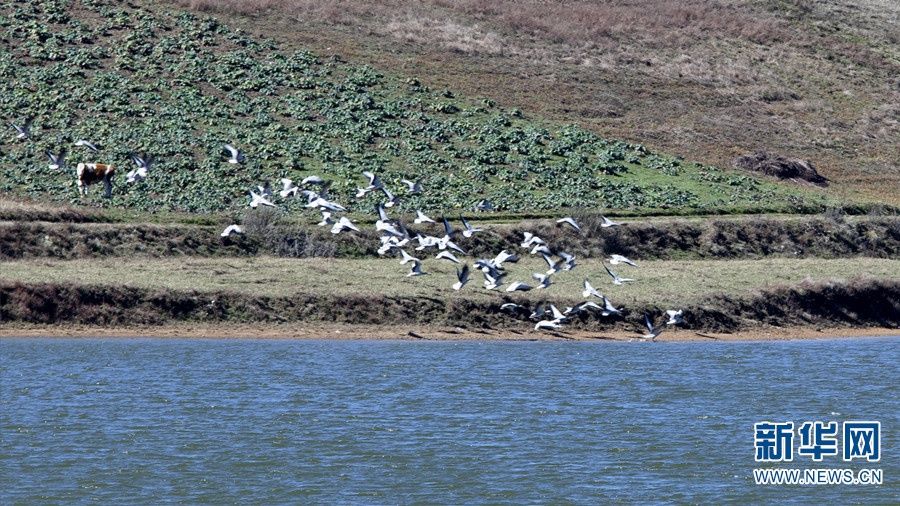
{"x":708,"y":79}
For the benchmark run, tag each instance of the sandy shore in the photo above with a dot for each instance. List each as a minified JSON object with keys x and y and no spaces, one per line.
{"x":344,"y":331}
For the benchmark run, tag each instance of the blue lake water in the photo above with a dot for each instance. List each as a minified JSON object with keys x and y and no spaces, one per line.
{"x":374,"y":422}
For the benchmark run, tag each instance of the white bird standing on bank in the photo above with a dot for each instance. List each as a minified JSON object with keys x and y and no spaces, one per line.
{"x":87,"y":144}
{"x":616,"y":279}
{"x":568,"y":220}
{"x":343,"y":224}
{"x":57,"y":161}
{"x":236,"y":156}
{"x":257,"y":200}
{"x":619,"y":259}
{"x":462,"y":276}
{"x":422,"y":218}
{"x":232,"y":229}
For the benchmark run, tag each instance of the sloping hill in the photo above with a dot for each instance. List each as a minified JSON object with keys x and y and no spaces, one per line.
{"x":707,"y":79}
{"x":179,"y":85}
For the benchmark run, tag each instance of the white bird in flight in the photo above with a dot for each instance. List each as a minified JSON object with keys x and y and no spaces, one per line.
{"x":422,"y":218}
{"x":406,"y":257}
{"x":518,"y":286}
{"x":675,"y":317}
{"x":446,"y":255}
{"x":87,"y":144}
{"x":652,"y":331}
{"x":236,"y":156}
{"x":413,"y":186}
{"x":568,"y":220}
{"x":616,"y":279}
{"x":343,"y":224}
{"x":416,"y":270}
{"x":589,"y":290}
{"x":469,"y":230}
{"x":606,"y":223}
{"x":142,"y":168}
{"x":288,"y":188}
{"x":57,"y":161}
{"x":544,"y":280}
{"x":22,"y":131}
{"x":619,"y":259}
{"x":257,"y":200}
{"x":312,"y":180}
{"x":232,"y":229}
{"x":462,"y":277}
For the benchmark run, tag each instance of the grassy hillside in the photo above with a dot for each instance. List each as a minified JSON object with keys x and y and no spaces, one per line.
{"x":179,"y":85}
{"x":707,"y":79}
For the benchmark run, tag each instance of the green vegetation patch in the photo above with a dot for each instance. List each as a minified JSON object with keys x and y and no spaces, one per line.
{"x":178,"y":86}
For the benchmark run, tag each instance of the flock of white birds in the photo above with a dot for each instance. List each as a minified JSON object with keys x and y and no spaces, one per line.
{"x":396,"y":239}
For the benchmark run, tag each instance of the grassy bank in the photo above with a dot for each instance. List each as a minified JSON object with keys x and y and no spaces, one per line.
{"x":659,"y":238}
{"x":858,"y":303}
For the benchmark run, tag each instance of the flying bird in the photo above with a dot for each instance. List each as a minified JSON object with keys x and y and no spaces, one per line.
{"x":462,"y":276}
{"x":142,"y":168}
{"x":232,"y":229}
{"x":257,"y":200}
{"x":619,"y":259}
{"x":616,"y":279}
{"x":652,"y":331}
{"x":544,"y":280}
{"x":518,"y":286}
{"x":57,"y":161}
{"x":406,"y":258}
{"x":22,"y":131}
{"x":446,"y":255}
{"x":236,"y":156}
{"x":288,"y":188}
{"x":606,"y":223}
{"x":312,"y":180}
{"x":343,"y":224}
{"x":326,"y":219}
{"x":568,"y":220}
{"x":469,"y":230}
{"x":87,"y":144}
{"x":504,"y":257}
{"x":412,"y":186}
{"x":531,"y":240}
{"x":675,"y":317}
{"x":416,"y":270}
{"x":589,"y":290}
{"x":422,"y":218}
{"x":608,"y":308}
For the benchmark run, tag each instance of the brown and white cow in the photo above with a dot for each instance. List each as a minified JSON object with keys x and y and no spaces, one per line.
{"x":90,"y":173}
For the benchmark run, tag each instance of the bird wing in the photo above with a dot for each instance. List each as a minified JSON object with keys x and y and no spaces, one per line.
{"x":648,"y":323}
{"x":463,"y":275}
{"x":448,"y":230}
{"x":233,"y":150}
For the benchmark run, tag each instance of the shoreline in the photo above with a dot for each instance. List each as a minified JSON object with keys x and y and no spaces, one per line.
{"x":422,"y":333}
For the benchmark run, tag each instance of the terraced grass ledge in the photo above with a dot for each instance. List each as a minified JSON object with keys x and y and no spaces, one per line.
{"x":858,"y":303}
